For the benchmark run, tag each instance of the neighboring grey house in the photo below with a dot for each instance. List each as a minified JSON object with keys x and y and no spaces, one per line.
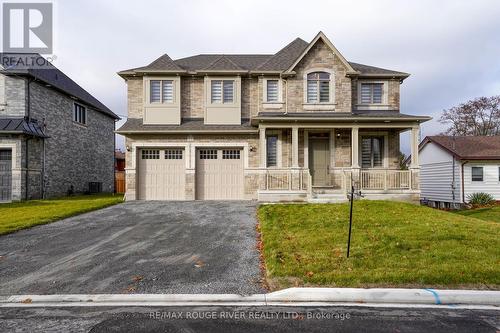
{"x":54,"y":136}
{"x":453,"y":167}
{"x":295,"y":125}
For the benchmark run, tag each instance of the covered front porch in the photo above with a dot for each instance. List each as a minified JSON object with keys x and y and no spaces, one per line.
{"x":320,"y":162}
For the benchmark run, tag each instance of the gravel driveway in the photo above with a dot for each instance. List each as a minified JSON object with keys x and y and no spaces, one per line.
{"x":137,"y":247}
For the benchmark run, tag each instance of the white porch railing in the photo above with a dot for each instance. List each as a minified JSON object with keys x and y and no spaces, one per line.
{"x":374,"y":179}
{"x":287,"y":180}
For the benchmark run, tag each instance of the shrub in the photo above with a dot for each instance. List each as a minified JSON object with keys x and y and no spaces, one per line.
{"x":480,"y":198}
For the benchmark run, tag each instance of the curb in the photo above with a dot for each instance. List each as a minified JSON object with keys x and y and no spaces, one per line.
{"x":287,"y":297}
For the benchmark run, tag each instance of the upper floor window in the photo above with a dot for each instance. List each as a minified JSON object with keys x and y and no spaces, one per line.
{"x":272,"y":90}
{"x":372,"y":93}
{"x":372,"y":152}
{"x":222,"y":91}
{"x":79,"y":114}
{"x":318,"y":87}
{"x":477,"y":174}
{"x":161,"y":91}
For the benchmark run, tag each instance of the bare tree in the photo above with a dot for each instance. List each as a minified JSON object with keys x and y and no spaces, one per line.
{"x":480,"y":116}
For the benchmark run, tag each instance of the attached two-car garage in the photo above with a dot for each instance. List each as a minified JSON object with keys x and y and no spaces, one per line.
{"x":218,"y":174}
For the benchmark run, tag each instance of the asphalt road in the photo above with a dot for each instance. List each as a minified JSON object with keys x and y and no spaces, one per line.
{"x":247,"y":319}
{"x":137,"y":247}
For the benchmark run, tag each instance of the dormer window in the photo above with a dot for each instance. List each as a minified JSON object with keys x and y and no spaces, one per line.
{"x":222,"y":91}
{"x":318,"y":87}
{"x":161,"y":91}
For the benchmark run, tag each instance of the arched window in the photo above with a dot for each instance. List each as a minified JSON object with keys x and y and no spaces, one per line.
{"x":318,"y":87}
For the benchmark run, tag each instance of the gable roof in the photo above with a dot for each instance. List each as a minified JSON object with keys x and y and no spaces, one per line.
{"x":50,"y":75}
{"x":467,"y":147}
{"x":325,"y":39}
{"x":282,"y":61}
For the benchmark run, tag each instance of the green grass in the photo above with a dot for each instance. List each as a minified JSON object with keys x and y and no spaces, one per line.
{"x":21,"y":215}
{"x":486,"y":214}
{"x":393,"y":244}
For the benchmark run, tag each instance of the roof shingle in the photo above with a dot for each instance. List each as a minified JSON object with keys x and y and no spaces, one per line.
{"x":468,"y":147}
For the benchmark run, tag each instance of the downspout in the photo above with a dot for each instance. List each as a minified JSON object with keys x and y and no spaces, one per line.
{"x":26,"y":159}
{"x":463,"y":186}
{"x":453,"y":181}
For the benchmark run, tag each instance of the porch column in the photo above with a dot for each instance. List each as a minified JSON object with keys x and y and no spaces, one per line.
{"x":355,"y":147}
{"x":263,"y":147}
{"x":295,"y":147}
{"x":306,"y":149}
{"x":415,"y":132}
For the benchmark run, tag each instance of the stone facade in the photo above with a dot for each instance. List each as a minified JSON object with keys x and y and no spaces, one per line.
{"x":344,"y":91}
{"x":74,"y":154}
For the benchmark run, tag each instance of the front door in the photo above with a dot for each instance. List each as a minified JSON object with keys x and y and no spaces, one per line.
{"x":319,"y":156}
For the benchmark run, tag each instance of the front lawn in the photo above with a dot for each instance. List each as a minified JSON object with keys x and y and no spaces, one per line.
{"x":486,"y":214}
{"x":22,"y":215}
{"x":393,"y":245}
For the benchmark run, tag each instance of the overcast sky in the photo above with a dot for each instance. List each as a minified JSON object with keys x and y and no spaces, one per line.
{"x":451,"y":48}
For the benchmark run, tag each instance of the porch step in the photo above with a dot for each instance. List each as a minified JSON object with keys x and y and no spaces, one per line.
{"x":328,"y":198}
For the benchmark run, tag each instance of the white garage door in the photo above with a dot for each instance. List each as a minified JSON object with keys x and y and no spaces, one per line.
{"x":219,"y":174}
{"x":162,"y":174}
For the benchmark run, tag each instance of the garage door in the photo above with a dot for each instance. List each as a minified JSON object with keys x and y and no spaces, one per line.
{"x":219,"y":174}
{"x":5,"y":175}
{"x":161,"y":174}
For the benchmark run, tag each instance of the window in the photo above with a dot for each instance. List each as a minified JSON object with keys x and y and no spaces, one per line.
{"x":272,"y":91}
{"x":167,"y":91}
{"x":272,"y":151}
{"x":318,"y":87}
{"x":161,"y":91}
{"x":371,"y":93}
{"x":150,"y":154}
{"x":79,"y":114}
{"x":208,"y":154}
{"x":155,"y":86}
{"x":5,"y":155}
{"x":222,"y":91}
{"x":231,"y":154}
{"x":371,"y":152}
{"x":477,"y":174}
{"x":173,"y":154}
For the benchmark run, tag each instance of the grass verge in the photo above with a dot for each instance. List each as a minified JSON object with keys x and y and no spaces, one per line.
{"x":21,"y":215}
{"x":393,"y":244}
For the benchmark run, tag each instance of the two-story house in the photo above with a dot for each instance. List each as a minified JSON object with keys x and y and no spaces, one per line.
{"x":55,"y":137}
{"x":301,"y":124}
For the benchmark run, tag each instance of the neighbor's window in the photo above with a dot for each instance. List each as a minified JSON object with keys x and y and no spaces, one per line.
{"x":272,"y":151}
{"x":161,"y":91}
{"x":318,"y":87}
{"x":477,"y":174}
{"x":372,"y":152}
{"x":79,"y":114}
{"x":272,"y":90}
{"x":371,"y":93}
{"x":222,"y":91}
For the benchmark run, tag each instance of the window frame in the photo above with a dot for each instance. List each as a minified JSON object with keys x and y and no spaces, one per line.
{"x":472,"y":173}
{"x":384,"y":149}
{"x":223,"y":101}
{"x":279,"y":150}
{"x":267,"y":103}
{"x":371,"y":86}
{"x":317,"y":105}
{"x":385,"y":94}
{"x":161,"y":92}
{"x":77,"y":117}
